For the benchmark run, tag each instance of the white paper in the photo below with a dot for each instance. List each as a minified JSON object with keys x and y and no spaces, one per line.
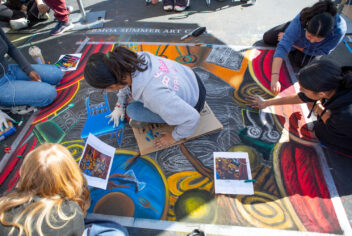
{"x":69,"y":67}
{"x":96,"y":162}
{"x":231,"y":170}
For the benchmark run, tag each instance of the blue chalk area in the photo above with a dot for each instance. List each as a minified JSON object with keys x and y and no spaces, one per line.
{"x":145,"y":171}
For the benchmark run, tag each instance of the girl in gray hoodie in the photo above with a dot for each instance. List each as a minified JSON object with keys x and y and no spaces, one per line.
{"x":162,"y":90}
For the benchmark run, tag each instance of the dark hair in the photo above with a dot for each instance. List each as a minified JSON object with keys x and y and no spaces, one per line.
{"x":103,"y":70}
{"x":323,"y":76}
{"x":319,"y":19}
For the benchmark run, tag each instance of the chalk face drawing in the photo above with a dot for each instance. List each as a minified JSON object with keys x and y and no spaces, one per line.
{"x":95,"y":163}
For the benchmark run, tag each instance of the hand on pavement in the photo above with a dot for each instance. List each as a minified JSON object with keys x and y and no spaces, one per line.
{"x":257,"y":102}
{"x":117,"y":114}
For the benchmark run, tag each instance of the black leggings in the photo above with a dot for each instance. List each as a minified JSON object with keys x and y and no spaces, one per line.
{"x":296,"y":57}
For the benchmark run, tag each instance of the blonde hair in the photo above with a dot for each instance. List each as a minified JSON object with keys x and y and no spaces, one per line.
{"x":51,"y":173}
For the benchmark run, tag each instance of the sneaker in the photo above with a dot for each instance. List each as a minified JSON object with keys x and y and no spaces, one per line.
{"x":19,"y":23}
{"x":20,"y":110}
{"x":181,"y":5}
{"x":180,"y":8}
{"x":168,"y":7}
{"x":137,"y":124}
{"x":61,"y":27}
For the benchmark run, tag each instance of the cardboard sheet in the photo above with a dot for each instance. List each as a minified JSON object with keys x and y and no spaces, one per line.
{"x":145,"y":136}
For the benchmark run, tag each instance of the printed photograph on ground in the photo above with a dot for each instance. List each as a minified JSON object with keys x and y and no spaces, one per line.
{"x":231,"y":168}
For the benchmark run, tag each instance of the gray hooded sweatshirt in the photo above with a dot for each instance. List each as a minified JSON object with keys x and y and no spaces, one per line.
{"x":168,"y":89}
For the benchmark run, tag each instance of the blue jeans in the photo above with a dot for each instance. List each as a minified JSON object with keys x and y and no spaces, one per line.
{"x":100,"y":227}
{"x":16,"y":87}
{"x":136,"y":111}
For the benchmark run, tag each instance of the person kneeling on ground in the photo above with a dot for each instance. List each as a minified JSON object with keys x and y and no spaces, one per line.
{"x":50,"y":198}
{"x":163,"y":90}
{"x":23,"y":83}
{"x":328,"y":91}
{"x":315,"y":31}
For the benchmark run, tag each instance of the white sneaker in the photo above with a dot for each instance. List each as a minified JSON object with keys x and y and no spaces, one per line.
{"x":19,"y":23}
{"x":181,"y":5}
{"x":168,"y":7}
{"x":180,"y":8}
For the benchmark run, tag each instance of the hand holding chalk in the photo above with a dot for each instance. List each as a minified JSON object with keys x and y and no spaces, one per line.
{"x":3,"y":121}
{"x":35,"y":76}
{"x":195,"y":33}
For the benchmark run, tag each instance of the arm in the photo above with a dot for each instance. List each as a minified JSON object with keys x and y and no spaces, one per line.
{"x":287,"y":40}
{"x":16,"y":54}
{"x":260,"y":103}
{"x":123,"y":94}
{"x":119,"y":110}
{"x":275,"y":72}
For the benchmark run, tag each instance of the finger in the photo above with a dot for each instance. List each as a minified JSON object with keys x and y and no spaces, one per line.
{"x":251,"y":98}
{"x":111,"y":119}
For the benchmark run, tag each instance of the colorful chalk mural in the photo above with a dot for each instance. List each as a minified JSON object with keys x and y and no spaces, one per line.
{"x":290,"y":191}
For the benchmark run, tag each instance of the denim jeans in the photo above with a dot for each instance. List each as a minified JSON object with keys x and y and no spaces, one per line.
{"x":17,"y":88}
{"x":136,"y":111}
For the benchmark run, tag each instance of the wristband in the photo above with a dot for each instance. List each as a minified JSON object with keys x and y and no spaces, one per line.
{"x":120,"y":105}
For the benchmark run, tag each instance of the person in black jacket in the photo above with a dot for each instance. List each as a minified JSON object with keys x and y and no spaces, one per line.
{"x":327,"y":89}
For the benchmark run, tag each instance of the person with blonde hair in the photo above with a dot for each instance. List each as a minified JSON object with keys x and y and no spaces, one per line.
{"x":50,"y":198}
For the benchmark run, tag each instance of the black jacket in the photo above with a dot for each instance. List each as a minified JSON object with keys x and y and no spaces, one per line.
{"x":336,"y":133}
